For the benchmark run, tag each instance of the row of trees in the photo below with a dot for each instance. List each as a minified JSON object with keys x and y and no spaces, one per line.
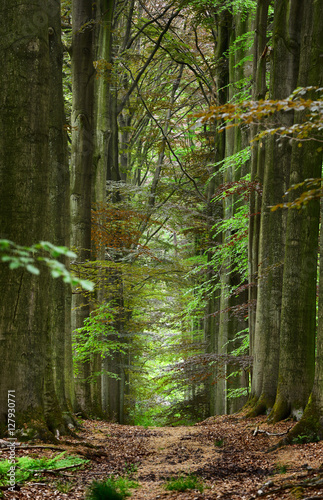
{"x":108,"y":148}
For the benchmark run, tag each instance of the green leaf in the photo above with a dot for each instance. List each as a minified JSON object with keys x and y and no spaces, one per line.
{"x":6,"y":258}
{"x":32,"y":269}
{"x":55,"y":273}
{"x":14,"y":264}
{"x":87,"y":285}
{"x":5,"y":244}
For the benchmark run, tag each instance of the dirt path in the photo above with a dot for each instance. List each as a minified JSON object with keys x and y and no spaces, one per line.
{"x":225,"y":453}
{"x":173,"y":451}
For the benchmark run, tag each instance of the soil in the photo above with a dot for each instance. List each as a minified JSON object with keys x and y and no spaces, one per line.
{"x":229,"y":454}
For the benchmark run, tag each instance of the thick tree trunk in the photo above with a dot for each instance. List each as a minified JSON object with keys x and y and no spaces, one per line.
{"x":298,"y":320}
{"x":26,"y":350}
{"x":286,"y":37}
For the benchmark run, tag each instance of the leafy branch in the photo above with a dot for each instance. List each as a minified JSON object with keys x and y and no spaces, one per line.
{"x":43,"y":253}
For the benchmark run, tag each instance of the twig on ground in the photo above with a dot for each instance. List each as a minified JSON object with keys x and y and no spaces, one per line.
{"x":258,"y":431}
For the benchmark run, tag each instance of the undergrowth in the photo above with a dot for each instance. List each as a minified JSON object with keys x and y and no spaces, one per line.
{"x":26,"y":467}
{"x":183,"y":483}
{"x":111,"y":489}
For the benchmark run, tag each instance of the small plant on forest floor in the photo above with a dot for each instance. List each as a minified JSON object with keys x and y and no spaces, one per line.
{"x":219,"y":443}
{"x":102,"y":490}
{"x":297,"y":492}
{"x":306,"y":438}
{"x":64,"y":486}
{"x":183,"y":483}
{"x":280,"y":469}
{"x":130,"y":470}
{"x":111,"y":489}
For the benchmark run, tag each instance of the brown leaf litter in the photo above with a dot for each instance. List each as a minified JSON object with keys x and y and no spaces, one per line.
{"x":225,"y":452}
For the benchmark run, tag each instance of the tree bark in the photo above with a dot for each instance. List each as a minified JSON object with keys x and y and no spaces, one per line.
{"x":257,"y":167}
{"x":60,"y":227}
{"x":25,"y":216}
{"x":81,"y":166}
{"x":298,"y":320}
{"x":286,"y":38}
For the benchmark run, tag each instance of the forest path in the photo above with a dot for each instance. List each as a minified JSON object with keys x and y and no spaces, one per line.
{"x":229,"y":458}
{"x":173,"y":452}
{"x":225,"y":453}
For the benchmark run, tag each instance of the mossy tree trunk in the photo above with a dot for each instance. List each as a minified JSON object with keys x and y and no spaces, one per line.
{"x":102,"y":137}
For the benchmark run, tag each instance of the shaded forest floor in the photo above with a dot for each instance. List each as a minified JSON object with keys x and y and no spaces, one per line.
{"x":226,"y":453}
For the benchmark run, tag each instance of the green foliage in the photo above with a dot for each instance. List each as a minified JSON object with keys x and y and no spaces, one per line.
{"x":234,"y":250}
{"x":95,"y":337}
{"x":123,"y":485}
{"x":306,"y":438}
{"x":32,"y":258}
{"x":26,"y":467}
{"x":111,"y":489}
{"x":280,"y":468}
{"x":235,"y":162}
{"x":242,"y":43}
{"x":238,"y":392}
{"x":242,"y":339}
{"x":102,"y":490}
{"x":233,"y":6}
{"x":184,"y":483}
{"x":218,"y":443}
{"x":146,"y":414}
{"x":64,"y":486}
{"x":130,"y":469}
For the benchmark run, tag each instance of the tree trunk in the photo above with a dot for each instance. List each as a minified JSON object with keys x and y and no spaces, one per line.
{"x":81,"y":166}
{"x":286,"y":34}
{"x":25,"y":217}
{"x":257,"y":169}
{"x":60,"y":228}
{"x":298,"y":320}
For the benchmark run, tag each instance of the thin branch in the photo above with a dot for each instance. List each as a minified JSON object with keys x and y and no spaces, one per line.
{"x":153,"y":20}
{"x":143,"y":69}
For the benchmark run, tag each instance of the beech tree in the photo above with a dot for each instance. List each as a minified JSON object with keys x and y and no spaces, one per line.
{"x":30,"y":167}
{"x":298,"y":319}
{"x":81,"y":164}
